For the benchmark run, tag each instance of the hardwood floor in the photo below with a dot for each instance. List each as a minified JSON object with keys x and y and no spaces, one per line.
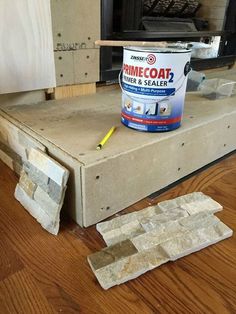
{"x":41,"y":273}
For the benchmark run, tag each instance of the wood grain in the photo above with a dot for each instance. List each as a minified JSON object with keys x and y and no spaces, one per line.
{"x":27,"y":59}
{"x":20,"y":294}
{"x":122,"y":43}
{"x":62,"y":92}
{"x":51,"y":274}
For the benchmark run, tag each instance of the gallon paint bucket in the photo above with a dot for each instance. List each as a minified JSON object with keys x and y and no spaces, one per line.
{"x":153,"y":83}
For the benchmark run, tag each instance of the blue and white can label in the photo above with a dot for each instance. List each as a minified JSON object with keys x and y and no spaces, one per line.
{"x":154,"y":84}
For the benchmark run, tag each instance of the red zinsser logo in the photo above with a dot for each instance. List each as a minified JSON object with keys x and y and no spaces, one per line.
{"x":151,"y":59}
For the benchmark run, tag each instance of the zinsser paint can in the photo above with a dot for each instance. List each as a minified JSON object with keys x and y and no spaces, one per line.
{"x":154,"y":85}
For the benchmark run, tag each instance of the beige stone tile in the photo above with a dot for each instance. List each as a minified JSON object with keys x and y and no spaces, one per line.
{"x":195,"y":240}
{"x":192,"y":202}
{"x":223,"y":230}
{"x":51,"y":225}
{"x":154,"y":238}
{"x":148,"y":212}
{"x":182,"y":245}
{"x":121,"y":221}
{"x":115,"y":223}
{"x":36,"y":175}
{"x":200,"y":220}
{"x":111,"y":236}
{"x":158,"y":221}
{"x":217,"y":232}
{"x":126,"y":231}
{"x":45,"y":202}
{"x":178,"y":201}
{"x":182,"y":226}
{"x":27,"y":185}
{"x":134,"y":224}
{"x":129,"y":227}
{"x":130,"y":267}
{"x":111,"y":254}
{"x":48,"y":166}
{"x":201,"y":206}
{"x":116,"y":239}
{"x":121,"y":271}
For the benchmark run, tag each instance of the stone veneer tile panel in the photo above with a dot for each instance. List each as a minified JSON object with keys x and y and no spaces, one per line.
{"x":193,"y":203}
{"x":36,"y":175}
{"x":111,"y":270}
{"x":39,"y":193}
{"x":158,"y":236}
{"x":136,"y":223}
{"x":172,"y":229}
{"x":130,"y":267}
{"x":133,"y":224}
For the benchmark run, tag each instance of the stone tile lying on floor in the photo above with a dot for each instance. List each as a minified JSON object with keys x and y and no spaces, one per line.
{"x":129,"y":267}
{"x":169,"y":241}
{"x":200,"y":220}
{"x":140,"y":224}
{"x":132,"y":224}
{"x":192,"y":203}
{"x":156,"y":236}
{"x":120,"y":221}
{"x":172,"y":229}
{"x":195,"y":240}
{"x":38,"y":192}
{"x":136,"y":223}
{"x":127,"y":231}
{"x":204,"y":205}
{"x":125,"y":226}
{"x":158,"y":221}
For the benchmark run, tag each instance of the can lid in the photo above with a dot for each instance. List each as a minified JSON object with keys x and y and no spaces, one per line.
{"x":167,"y":49}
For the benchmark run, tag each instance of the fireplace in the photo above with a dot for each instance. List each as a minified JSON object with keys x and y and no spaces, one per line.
{"x":200,"y":21}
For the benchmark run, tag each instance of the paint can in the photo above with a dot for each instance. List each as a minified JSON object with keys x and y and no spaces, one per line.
{"x":153,"y":83}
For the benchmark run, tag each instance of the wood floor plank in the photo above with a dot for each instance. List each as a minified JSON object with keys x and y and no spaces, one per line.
{"x":203,"y":282}
{"x":20,"y":294}
{"x":9,"y":260}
